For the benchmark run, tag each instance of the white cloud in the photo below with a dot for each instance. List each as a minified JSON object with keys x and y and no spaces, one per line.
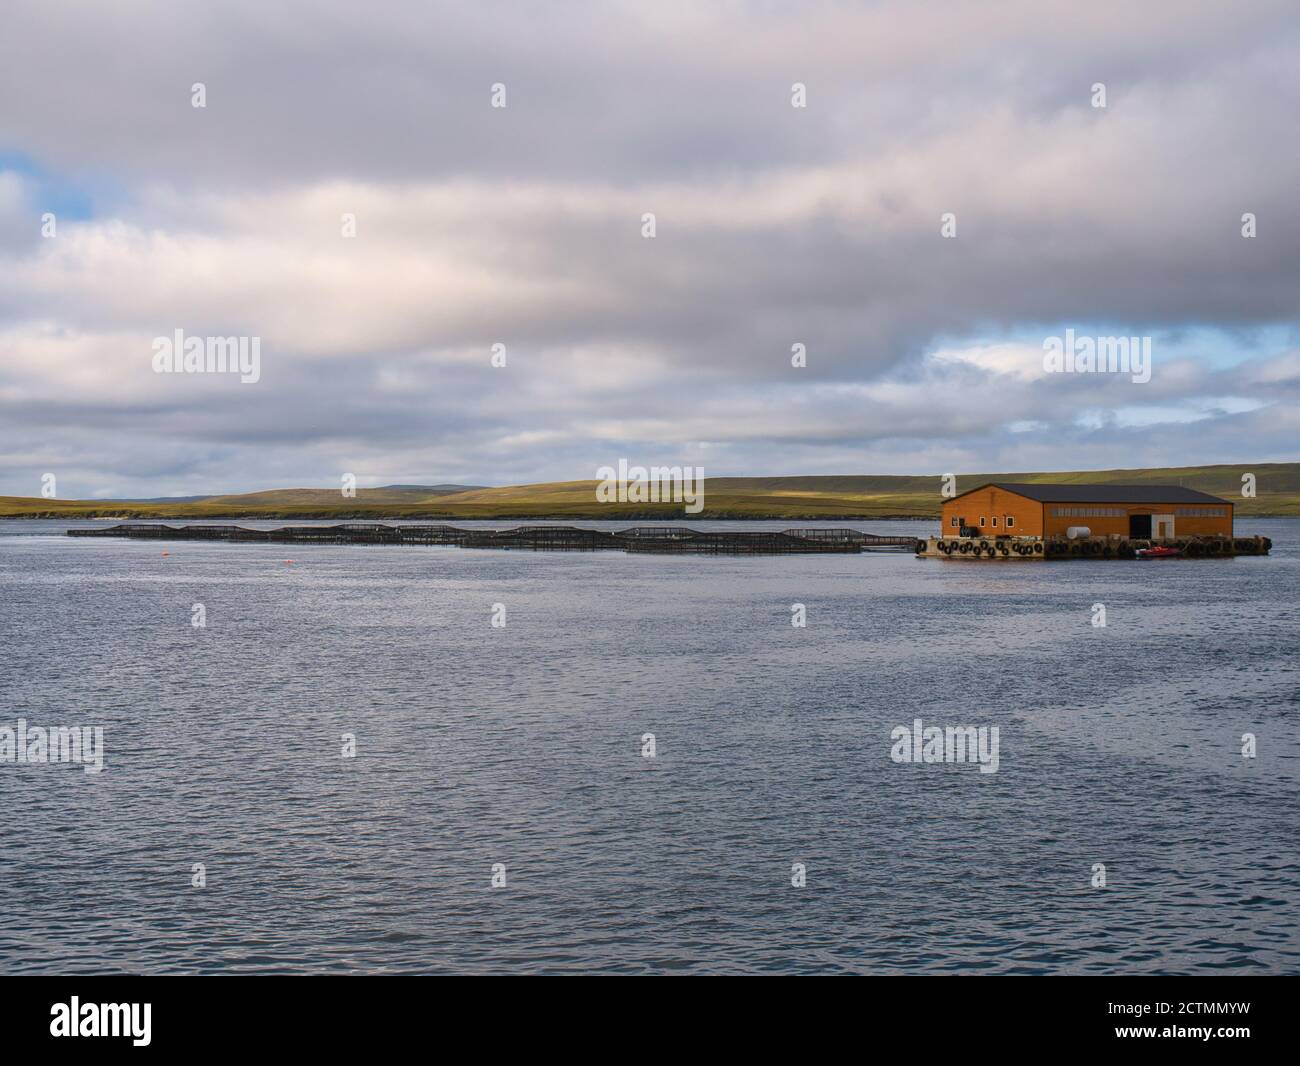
{"x":775,"y":225}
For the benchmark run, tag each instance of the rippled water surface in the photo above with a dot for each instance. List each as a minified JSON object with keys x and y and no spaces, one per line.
{"x":1118,"y":745}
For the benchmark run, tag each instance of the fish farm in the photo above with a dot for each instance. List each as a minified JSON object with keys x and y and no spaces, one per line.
{"x":666,"y":539}
{"x":1112,"y":547}
{"x":684,"y":540}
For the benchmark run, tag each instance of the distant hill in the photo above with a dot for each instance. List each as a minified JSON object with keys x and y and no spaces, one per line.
{"x":432,"y":489}
{"x":388,"y":495}
{"x":849,"y":496}
{"x":270,"y":503}
{"x":166,"y":499}
{"x":415,"y":490}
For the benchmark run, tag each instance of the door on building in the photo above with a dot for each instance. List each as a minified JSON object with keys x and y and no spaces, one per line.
{"x":1163,"y":526}
{"x":1139,"y":525}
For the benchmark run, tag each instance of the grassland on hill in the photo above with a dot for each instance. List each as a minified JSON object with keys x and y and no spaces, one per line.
{"x":820,"y":497}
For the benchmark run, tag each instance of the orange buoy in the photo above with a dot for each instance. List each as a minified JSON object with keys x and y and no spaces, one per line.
{"x":289,"y":562}
{"x":167,"y":553}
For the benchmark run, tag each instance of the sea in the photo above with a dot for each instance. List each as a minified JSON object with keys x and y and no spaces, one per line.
{"x":443,"y":760}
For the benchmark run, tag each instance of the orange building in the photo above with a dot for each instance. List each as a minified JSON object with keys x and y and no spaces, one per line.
{"x":1157,"y":512}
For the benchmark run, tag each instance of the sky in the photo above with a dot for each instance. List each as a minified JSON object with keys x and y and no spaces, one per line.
{"x":524,"y":226}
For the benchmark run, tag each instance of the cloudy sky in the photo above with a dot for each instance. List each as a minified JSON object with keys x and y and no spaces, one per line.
{"x":775,"y":225}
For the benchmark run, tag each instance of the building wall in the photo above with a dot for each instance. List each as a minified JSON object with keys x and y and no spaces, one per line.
{"x":1034,"y":519}
{"x":989,"y":503}
{"x":1185,"y":524}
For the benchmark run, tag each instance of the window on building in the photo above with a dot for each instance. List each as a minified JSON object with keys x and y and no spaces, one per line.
{"x":982,"y":522}
{"x":995,"y":521}
{"x":1011,"y":521}
{"x":953,"y":522}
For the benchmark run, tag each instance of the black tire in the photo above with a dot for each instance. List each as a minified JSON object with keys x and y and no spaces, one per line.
{"x":965,"y":548}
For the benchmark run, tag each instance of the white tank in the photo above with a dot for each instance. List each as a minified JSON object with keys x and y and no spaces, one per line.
{"x":1078,"y":532}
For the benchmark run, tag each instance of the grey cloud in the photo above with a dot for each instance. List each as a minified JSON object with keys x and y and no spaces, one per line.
{"x":776,"y":225}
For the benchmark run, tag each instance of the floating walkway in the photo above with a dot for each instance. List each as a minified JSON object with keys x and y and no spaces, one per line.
{"x":1114,"y":547}
{"x":667,"y":539}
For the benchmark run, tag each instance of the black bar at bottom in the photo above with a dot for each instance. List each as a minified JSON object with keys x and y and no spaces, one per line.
{"x":340,"y":1014}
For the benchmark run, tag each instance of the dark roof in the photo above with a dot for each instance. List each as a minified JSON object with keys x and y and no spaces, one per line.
{"x":1106,"y":493}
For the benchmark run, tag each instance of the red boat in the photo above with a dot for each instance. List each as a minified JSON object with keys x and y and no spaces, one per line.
{"x":1158,"y":552}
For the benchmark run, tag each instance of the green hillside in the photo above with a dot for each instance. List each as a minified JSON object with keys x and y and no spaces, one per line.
{"x":830,"y":496}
